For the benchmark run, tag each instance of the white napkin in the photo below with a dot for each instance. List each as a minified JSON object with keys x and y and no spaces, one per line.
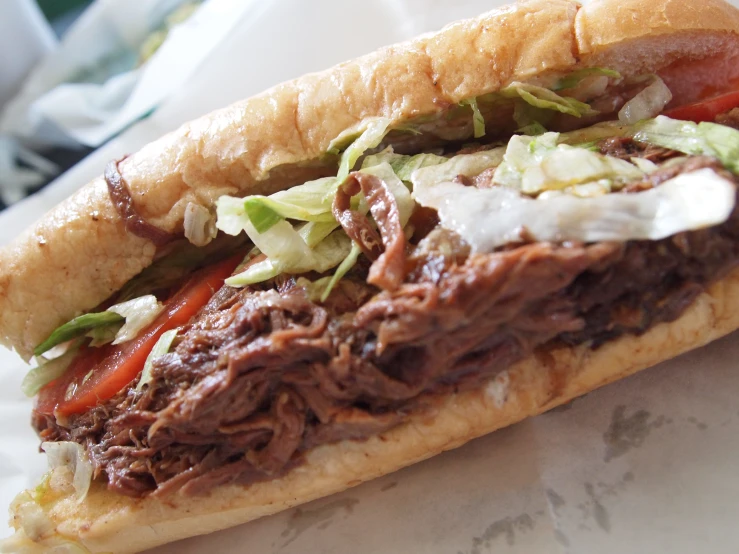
{"x":91,"y":87}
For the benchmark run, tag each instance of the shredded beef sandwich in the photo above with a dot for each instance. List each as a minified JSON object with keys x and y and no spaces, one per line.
{"x":474,"y":226}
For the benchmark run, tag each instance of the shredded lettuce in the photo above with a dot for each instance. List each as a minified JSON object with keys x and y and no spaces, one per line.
{"x":47,"y":371}
{"x":725,"y":143}
{"x":283,"y":245}
{"x":138,"y":313}
{"x":77,"y":327}
{"x":404,"y":168}
{"x":160,"y":349}
{"x":388,"y":155}
{"x":589,"y":136}
{"x":573,"y":79}
{"x":401,"y":193}
{"x":709,"y":139}
{"x":314,"y":232}
{"x":256,"y":273}
{"x":489,"y":218}
{"x":134,"y":315}
{"x":535,"y":164}
{"x":344,"y":267}
{"x":469,"y":165}
{"x":402,"y":165}
{"x":314,"y":289}
{"x":478,"y":121}
{"x":315,"y":245}
{"x":532,"y":129}
{"x":103,"y":335}
{"x":524,"y":155}
{"x":544,"y":98}
{"x":260,"y":213}
{"x":374,"y":131}
{"x":683,"y":136}
{"x":308,"y":202}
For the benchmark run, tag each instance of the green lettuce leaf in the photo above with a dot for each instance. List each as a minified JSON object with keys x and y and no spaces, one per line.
{"x":161,"y":347}
{"x":573,"y":79}
{"x":138,"y":313}
{"x":103,"y":335}
{"x":400,"y":192}
{"x":285,"y":248}
{"x":371,"y":137}
{"x":536,"y":164}
{"x":544,"y":98}
{"x":255,"y":273}
{"x":532,"y":129}
{"x":402,"y":165}
{"x":344,"y":267}
{"x":708,"y":139}
{"x":47,"y":371}
{"x":478,"y":121}
{"x":314,"y":232}
{"x":77,"y":327}
{"x":308,"y":202}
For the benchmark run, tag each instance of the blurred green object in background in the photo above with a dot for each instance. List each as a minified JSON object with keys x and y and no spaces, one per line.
{"x":54,"y":8}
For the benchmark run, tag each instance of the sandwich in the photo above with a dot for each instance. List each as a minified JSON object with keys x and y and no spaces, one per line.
{"x":362,"y":268}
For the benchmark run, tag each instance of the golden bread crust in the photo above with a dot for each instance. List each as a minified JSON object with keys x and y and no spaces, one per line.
{"x":605,"y":24}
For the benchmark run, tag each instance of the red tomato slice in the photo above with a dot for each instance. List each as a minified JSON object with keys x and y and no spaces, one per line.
{"x":98,"y":374}
{"x":705,"y":110}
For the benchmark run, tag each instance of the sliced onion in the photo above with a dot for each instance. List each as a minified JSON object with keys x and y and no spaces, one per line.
{"x":73,"y":456}
{"x":647,"y":104}
{"x":200,"y":225}
{"x":590,"y":87}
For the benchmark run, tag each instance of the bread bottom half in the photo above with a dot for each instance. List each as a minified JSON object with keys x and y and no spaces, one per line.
{"x":106,"y":522}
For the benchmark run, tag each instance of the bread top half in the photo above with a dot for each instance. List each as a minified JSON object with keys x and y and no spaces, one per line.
{"x":80,"y":253}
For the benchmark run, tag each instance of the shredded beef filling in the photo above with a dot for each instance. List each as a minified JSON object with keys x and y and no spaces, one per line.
{"x":263,"y":374}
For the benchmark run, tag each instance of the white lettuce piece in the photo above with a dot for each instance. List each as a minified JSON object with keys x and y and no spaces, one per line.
{"x":139,"y":313}
{"x":469,"y":165}
{"x":400,"y":192}
{"x":536,"y":164}
{"x":708,"y":139}
{"x":160,"y":349}
{"x":490,"y":218}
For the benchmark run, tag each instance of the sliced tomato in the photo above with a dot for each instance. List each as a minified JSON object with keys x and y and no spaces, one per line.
{"x":706,"y":110}
{"x":97,"y":374}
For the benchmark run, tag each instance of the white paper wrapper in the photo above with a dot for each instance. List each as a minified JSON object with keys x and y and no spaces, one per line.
{"x":90,"y":88}
{"x":644,"y":465}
